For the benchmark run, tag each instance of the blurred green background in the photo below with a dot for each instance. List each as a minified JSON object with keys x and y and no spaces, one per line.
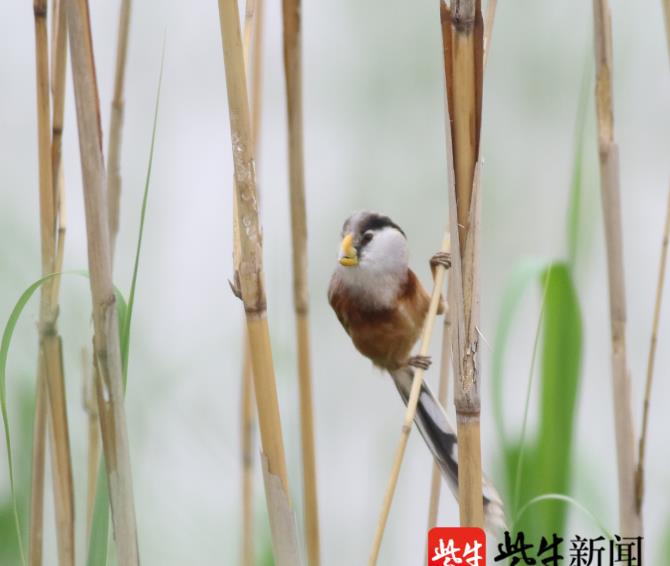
{"x":374,"y":133}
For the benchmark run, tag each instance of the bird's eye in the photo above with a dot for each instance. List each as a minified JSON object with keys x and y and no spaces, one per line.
{"x":367,"y":237}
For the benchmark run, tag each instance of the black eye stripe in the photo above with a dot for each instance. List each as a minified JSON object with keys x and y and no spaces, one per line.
{"x":377,"y":222}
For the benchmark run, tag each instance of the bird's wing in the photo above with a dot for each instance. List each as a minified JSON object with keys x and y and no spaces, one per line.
{"x":440,"y":436}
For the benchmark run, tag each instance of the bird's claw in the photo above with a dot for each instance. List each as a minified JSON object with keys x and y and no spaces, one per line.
{"x":420,"y":362}
{"x":441,"y":258}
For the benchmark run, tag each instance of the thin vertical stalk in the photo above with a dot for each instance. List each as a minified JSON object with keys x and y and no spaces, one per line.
{"x":410,"y":412}
{"x":639,"y":477}
{"x":248,"y":430}
{"x":463,"y":44}
{"x":293,"y":75}
{"x":253,"y":17}
{"x":107,"y":353}
{"x":37,"y":472}
{"x":249,"y":281}
{"x":116,"y":125}
{"x":630,"y":521}
{"x":51,"y":368}
{"x":436,"y":475}
{"x":93,"y":436}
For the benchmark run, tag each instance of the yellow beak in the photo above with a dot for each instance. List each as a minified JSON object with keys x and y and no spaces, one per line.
{"x":348,"y":253}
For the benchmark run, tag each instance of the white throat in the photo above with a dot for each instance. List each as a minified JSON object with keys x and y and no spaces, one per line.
{"x":381,"y":272}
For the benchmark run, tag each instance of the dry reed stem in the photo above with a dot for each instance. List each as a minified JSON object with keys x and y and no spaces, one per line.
{"x":436,"y":475}
{"x":293,"y":75}
{"x":37,"y":472}
{"x":60,"y":449}
{"x":107,"y":353}
{"x":58,"y":69}
{"x":250,"y":281}
{"x":630,"y":521}
{"x":93,"y":436}
{"x":412,"y":402}
{"x":49,"y":341}
{"x":462,"y":37}
{"x":639,"y":478}
{"x":116,"y":126}
{"x":253,"y":17}
{"x":248,"y":430}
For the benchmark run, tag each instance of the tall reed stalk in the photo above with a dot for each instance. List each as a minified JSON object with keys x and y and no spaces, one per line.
{"x":463,"y":44}
{"x":253,"y":30}
{"x":630,"y":520}
{"x":249,"y":279}
{"x":107,"y":353}
{"x":651,"y":358}
{"x":410,"y":412}
{"x":116,"y":125}
{"x":50,"y":364}
{"x":296,"y":161}
{"x":436,"y":475}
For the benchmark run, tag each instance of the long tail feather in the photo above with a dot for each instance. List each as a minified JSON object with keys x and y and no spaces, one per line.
{"x":440,"y":436}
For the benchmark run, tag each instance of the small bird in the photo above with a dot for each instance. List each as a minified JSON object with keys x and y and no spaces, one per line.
{"x":382,"y":305}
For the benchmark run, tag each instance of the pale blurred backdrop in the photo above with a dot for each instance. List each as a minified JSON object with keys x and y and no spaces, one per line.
{"x":374,"y":132}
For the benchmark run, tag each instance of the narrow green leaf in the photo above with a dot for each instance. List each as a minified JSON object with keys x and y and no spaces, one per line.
{"x":561,"y":365}
{"x":563,"y":499}
{"x":4,"y":352}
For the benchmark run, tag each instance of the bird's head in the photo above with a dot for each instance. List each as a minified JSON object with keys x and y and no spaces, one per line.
{"x":372,"y":243}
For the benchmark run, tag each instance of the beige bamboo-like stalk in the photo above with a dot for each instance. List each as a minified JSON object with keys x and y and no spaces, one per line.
{"x":116,"y":125}
{"x":51,"y":369}
{"x":253,"y":17}
{"x":293,"y":75}
{"x":630,"y":521}
{"x":463,"y":44}
{"x":249,"y":279}
{"x":36,"y":534}
{"x":248,"y":430}
{"x":89,"y":404}
{"x":639,"y":476}
{"x":107,"y":353}
{"x":412,"y":403}
{"x":436,"y":475}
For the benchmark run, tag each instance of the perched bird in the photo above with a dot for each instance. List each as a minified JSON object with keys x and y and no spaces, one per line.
{"x":382,"y":305}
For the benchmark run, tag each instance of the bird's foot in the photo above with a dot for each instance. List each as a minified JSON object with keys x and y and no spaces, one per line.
{"x":420,"y":362}
{"x":441,"y":258}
